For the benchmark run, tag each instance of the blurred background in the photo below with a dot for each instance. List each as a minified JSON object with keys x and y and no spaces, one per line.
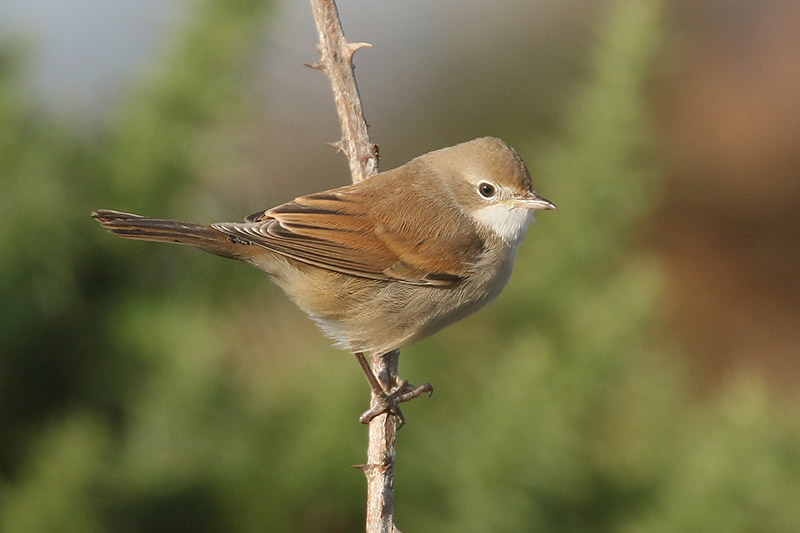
{"x":638,"y":374}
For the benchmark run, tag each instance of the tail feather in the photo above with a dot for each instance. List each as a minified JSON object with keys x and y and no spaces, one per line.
{"x":130,"y":226}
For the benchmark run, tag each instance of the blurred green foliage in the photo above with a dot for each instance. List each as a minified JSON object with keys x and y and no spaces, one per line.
{"x":144,"y":388}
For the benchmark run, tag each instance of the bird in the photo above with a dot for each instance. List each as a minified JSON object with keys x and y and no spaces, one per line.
{"x":389,"y":260}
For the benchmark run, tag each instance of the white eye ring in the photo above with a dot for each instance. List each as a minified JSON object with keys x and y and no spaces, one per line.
{"x":486,"y":189}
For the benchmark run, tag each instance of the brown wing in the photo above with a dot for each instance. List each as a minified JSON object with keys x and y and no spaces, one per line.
{"x":346,"y":230}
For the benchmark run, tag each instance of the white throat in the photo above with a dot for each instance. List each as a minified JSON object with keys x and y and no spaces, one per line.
{"x":508,"y":223}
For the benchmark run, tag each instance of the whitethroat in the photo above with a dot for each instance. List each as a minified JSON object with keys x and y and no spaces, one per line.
{"x":386,"y":261}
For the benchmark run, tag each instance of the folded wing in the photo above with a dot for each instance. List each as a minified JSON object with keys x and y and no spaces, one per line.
{"x":345,"y":231}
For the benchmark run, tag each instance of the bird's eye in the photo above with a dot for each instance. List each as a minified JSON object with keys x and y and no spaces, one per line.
{"x":486,"y":189}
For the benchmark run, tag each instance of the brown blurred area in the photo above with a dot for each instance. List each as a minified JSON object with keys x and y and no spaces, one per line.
{"x":729,"y":224}
{"x":726,"y":99}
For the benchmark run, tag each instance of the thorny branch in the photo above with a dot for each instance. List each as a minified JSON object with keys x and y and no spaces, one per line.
{"x":336,"y":61}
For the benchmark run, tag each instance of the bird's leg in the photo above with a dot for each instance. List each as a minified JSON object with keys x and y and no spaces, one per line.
{"x":388,"y":401}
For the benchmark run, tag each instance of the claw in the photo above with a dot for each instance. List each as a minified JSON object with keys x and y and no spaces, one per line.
{"x":388,"y":402}
{"x":379,"y":409}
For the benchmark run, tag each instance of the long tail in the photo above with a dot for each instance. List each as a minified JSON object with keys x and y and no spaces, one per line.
{"x":142,"y":228}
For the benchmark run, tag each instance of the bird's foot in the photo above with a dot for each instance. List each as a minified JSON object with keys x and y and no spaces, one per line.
{"x":389,"y":401}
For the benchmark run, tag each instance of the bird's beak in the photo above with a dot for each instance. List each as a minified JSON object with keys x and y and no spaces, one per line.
{"x":533,"y":201}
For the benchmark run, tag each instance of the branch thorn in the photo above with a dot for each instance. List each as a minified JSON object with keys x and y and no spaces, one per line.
{"x":353,"y":47}
{"x":338,"y":146}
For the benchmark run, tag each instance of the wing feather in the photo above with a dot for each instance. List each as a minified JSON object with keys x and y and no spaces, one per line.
{"x":347,"y":231}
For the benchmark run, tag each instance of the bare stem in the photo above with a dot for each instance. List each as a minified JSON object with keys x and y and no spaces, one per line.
{"x":336,"y":61}
{"x":381,"y":452}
